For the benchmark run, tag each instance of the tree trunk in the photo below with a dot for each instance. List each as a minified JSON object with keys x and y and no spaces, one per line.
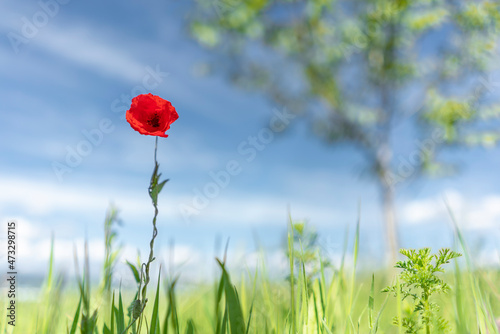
{"x":388,"y":87}
{"x":389,"y":212}
{"x":384,"y":174}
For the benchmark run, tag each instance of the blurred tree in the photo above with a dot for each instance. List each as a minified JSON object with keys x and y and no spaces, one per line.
{"x":357,"y":69}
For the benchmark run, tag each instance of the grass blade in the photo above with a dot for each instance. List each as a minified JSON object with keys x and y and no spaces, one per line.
{"x":236,"y":320}
{"x":292,"y":286}
{"x":155,"y":320}
{"x":190,"y":327}
{"x":120,"y":315}
{"x":74,"y":325}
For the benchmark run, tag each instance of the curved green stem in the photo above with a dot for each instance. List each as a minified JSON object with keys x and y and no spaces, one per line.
{"x":145,"y":276}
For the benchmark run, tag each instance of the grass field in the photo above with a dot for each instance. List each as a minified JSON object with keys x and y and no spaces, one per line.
{"x":317,"y":298}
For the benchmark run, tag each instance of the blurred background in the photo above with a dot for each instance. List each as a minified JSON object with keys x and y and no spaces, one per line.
{"x":328,"y":120}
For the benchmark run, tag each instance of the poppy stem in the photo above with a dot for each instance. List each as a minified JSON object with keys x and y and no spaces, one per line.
{"x":156,"y":147}
{"x":145,"y":276}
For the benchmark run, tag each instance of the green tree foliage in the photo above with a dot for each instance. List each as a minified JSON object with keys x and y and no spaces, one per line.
{"x":359,"y":69}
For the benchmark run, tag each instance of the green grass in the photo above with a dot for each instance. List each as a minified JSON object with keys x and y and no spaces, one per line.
{"x":330,"y":300}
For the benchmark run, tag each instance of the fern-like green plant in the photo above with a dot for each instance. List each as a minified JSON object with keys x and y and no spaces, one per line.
{"x":419,"y":281}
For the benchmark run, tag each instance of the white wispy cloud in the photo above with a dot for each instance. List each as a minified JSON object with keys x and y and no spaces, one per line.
{"x":196,"y":264}
{"x":40,"y":198}
{"x":481,"y":213}
{"x":86,"y":47}
{"x":231,"y":206}
{"x":82,"y":44}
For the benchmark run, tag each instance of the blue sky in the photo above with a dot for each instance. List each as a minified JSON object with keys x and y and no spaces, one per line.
{"x":72,"y":74}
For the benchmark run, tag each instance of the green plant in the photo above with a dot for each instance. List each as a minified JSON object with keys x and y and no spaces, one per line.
{"x":111,"y":253}
{"x":307,"y":250}
{"x":419,"y":281}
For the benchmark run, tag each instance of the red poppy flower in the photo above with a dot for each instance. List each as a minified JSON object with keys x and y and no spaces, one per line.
{"x":151,"y":115}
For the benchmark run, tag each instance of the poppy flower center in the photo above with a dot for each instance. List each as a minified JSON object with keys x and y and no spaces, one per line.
{"x":154,"y":121}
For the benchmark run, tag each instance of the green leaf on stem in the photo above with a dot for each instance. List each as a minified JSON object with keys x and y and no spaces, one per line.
{"x":155,"y":185}
{"x":135,"y":271}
